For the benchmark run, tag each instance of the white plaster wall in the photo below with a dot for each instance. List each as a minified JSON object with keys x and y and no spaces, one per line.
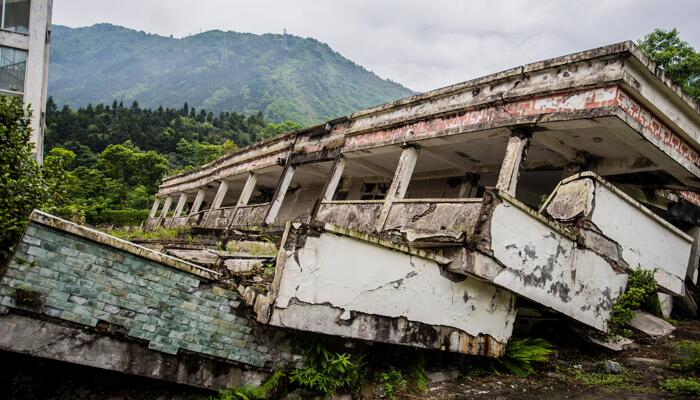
{"x":353,"y":275}
{"x":645,"y":242}
{"x":546,"y":267}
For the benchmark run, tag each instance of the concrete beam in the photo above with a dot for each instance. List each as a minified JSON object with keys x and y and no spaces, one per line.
{"x":278,"y":198}
{"x":44,"y":339}
{"x":516,"y":151}
{"x":154,"y":209}
{"x":198,"y":201}
{"x":558,"y":146}
{"x":629,"y":165}
{"x":166,"y":207}
{"x":399,"y":185}
{"x":180,"y":205}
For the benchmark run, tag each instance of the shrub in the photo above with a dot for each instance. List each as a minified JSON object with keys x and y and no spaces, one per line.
{"x":250,"y":392}
{"x":327,"y":372}
{"x":641,"y":293}
{"x":391,"y":381}
{"x":126,"y":217}
{"x":522,"y":353}
{"x":689,"y":386}
{"x":418,"y":376}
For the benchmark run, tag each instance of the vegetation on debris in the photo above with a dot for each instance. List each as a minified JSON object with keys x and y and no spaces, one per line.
{"x":690,"y":356}
{"x":391,"y":381}
{"x":27,"y":298}
{"x":641,"y":293}
{"x":327,"y":372}
{"x":154,"y":234}
{"x":251,"y":392}
{"x":689,"y":386}
{"x":522,"y":354}
{"x":520,"y":359}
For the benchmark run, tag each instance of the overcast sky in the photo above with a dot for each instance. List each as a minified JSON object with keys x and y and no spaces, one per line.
{"x":422,"y":44}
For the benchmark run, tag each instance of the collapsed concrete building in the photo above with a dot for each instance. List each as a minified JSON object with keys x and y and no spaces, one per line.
{"x":427,"y":221}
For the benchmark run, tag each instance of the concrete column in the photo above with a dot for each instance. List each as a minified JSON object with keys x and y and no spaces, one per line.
{"x":220,"y":194}
{"x":36,"y":75}
{"x":198,"y":201}
{"x":512,"y":162}
{"x":400,"y":182}
{"x":180,"y":205}
{"x":248,"y":189}
{"x":278,"y":198}
{"x":333,"y":182}
{"x":692,"y":271}
{"x":154,"y":209}
{"x":166,"y":206}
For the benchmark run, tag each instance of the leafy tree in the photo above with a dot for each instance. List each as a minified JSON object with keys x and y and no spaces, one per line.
{"x":678,"y":59}
{"x":22,"y":187}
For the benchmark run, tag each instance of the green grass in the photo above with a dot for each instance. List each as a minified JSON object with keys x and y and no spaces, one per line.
{"x":689,"y":386}
{"x":690,"y":356}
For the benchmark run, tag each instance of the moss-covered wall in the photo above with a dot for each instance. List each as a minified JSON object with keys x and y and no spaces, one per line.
{"x":83,"y":282}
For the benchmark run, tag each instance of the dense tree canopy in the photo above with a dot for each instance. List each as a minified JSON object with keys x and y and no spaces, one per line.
{"x":112,"y":158}
{"x":678,"y":59}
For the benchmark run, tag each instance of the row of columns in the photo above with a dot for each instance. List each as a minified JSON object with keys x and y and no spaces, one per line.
{"x":179,"y":208}
{"x":516,"y":151}
{"x":243,"y":200}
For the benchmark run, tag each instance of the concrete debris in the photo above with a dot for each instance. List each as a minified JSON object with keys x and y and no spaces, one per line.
{"x":442,"y":376}
{"x":641,"y":362}
{"x":612,"y":343}
{"x":651,"y":325}
{"x":666,"y":303}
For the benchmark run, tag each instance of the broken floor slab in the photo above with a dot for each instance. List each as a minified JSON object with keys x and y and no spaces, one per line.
{"x":527,"y":254}
{"x":640,"y":239}
{"x":650,"y":325}
{"x":333,"y":283}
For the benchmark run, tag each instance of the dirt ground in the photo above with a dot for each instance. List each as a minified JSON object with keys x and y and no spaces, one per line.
{"x":574,"y":374}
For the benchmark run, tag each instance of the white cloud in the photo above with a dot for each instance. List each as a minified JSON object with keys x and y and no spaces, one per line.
{"x":423,"y":44}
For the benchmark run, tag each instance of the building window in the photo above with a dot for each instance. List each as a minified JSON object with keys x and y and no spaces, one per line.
{"x":15,"y":15}
{"x":13,"y":64}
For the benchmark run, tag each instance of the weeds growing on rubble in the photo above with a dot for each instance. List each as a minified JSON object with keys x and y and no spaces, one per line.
{"x":327,"y":372}
{"x":641,"y":293}
{"x":689,"y":386}
{"x":521,"y":354}
{"x":691,"y":360}
{"x":250,"y":392}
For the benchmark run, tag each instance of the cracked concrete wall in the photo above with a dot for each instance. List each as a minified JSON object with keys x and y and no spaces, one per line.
{"x":545,"y":266}
{"x":338,"y":285}
{"x":637,"y":237}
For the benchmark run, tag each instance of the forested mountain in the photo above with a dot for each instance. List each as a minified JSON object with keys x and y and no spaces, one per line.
{"x":284,"y":76}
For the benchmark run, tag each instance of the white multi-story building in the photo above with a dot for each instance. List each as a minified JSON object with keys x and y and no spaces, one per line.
{"x":25,"y":29}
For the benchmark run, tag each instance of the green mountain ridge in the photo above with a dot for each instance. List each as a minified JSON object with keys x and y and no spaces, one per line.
{"x":284,"y":76}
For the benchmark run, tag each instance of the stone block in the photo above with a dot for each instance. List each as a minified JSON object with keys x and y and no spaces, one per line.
{"x":31,"y":241}
{"x":52,"y":312}
{"x":73,"y":298}
{"x":163,"y":347}
{"x":79,"y":319}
